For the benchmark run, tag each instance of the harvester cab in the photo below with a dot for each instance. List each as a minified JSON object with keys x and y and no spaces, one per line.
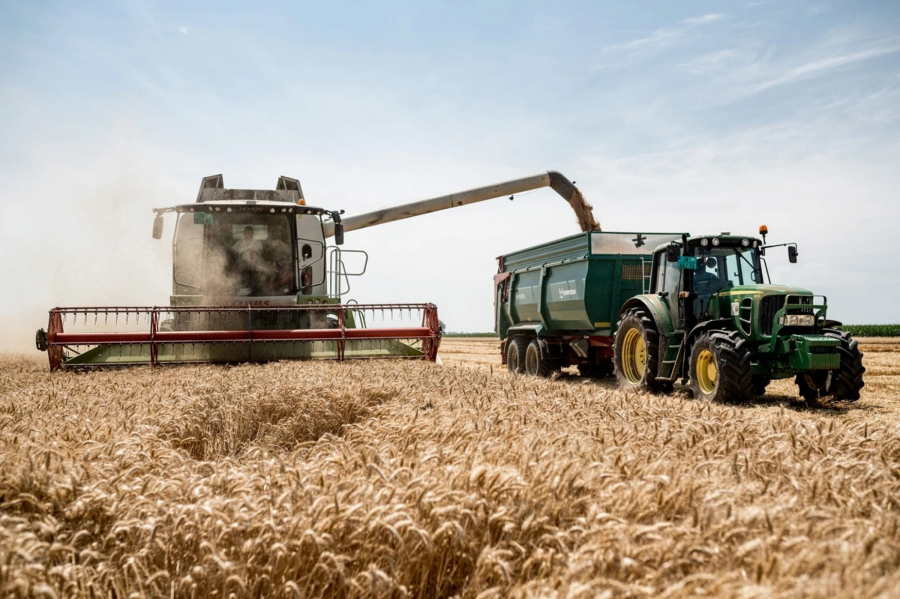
{"x":712,"y":318}
{"x":237,"y":247}
{"x":254,"y":279}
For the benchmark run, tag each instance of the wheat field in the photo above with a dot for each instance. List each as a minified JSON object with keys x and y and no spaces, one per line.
{"x":399,"y":479}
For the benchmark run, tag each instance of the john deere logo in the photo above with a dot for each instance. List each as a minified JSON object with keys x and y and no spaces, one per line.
{"x":563,"y":293}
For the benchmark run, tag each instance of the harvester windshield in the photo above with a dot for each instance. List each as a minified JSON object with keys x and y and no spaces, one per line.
{"x":242,"y":253}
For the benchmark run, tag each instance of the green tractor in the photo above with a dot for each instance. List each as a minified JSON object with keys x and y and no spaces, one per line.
{"x":711,"y":320}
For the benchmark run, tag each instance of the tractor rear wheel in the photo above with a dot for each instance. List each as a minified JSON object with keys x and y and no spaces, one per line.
{"x":535,"y":363}
{"x":720,"y":367}
{"x":515,"y":354}
{"x":636,"y":352}
{"x":843,"y":383}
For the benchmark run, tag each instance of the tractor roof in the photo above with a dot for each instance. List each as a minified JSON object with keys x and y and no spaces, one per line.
{"x":727,"y":238}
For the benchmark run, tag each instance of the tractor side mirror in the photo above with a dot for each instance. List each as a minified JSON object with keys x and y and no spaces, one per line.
{"x":339,"y":233}
{"x":158,"y":227}
{"x":672,"y":253}
{"x":792,"y":254}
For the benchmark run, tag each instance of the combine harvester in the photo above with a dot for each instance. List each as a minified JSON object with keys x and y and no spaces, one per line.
{"x":255,"y":280}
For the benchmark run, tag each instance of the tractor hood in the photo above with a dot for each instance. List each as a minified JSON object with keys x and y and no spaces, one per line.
{"x":763,"y":290}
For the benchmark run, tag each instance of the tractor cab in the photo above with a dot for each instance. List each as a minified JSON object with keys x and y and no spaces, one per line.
{"x":710,"y":266}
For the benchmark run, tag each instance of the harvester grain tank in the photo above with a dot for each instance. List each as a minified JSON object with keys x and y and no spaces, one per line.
{"x":702,"y":313}
{"x":254,"y":278}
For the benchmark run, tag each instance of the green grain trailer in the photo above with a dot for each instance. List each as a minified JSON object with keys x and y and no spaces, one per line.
{"x":557,"y":303}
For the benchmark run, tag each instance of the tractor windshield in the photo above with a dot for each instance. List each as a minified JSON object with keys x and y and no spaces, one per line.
{"x":723,"y":266}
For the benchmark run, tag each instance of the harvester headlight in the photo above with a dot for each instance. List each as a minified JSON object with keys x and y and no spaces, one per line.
{"x":745,"y":242}
{"x":799,"y":320}
{"x":704,"y":242}
{"x":272,"y":210}
{"x":715,"y":241}
{"x":228,"y":210}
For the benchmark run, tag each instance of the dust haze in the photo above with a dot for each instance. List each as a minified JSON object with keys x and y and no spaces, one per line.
{"x":92,"y":245}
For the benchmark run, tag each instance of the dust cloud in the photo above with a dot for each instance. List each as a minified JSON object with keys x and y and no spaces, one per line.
{"x":82,"y":244}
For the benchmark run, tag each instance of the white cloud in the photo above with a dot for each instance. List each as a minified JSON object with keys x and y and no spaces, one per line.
{"x":657,"y":41}
{"x":817,"y":67}
{"x":185,"y":29}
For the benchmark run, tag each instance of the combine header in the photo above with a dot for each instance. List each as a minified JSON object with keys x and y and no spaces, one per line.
{"x":254,"y":280}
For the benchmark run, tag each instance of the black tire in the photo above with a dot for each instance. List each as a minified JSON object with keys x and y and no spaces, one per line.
{"x":844,"y":383}
{"x":813,"y":386}
{"x":636,"y":319}
{"x":759,"y":384}
{"x":515,"y":354}
{"x":535,"y":364}
{"x":726,"y":357}
{"x":597,"y":371}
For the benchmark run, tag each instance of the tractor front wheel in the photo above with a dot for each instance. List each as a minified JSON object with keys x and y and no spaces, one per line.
{"x":720,"y":367}
{"x":636,"y":352}
{"x":515,"y":354}
{"x":535,"y":363}
{"x":843,"y":383}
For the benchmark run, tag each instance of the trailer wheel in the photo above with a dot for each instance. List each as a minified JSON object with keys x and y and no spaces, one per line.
{"x":535,"y":364}
{"x":636,"y":353}
{"x":843,"y":383}
{"x":720,"y":367}
{"x":515,"y":354}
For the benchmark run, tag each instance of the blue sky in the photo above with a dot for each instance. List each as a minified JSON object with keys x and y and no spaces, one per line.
{"x":699,"y":116}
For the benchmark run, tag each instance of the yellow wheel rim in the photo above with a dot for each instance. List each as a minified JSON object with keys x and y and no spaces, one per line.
{"x":634,"y":356}
{"x":707,"y":372}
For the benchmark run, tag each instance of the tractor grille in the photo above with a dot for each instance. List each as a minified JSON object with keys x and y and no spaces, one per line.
{"x":773,"y":303}
{"x":767,"y":309}
{"x":803,"y":300}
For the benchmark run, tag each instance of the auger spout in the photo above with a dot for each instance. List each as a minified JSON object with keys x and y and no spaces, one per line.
{"x":553,"y":179}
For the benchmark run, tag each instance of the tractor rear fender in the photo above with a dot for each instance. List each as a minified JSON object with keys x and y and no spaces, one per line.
{"x":658,"y":309}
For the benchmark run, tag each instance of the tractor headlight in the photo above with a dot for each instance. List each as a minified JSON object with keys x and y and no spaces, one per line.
{"x":704,"y":242}
{"x":715,"y":241}
{"x":799,"y":320}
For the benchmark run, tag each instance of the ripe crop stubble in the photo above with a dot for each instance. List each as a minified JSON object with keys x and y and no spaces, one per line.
{"x":407,"y":479}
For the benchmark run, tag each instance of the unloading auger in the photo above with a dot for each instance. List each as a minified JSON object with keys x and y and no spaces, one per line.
{"x":254,"y":280}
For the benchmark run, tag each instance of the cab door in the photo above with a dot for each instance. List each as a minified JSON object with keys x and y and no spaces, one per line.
{"x":667,"y":281}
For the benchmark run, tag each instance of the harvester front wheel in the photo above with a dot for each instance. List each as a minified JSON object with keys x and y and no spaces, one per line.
{"x":515,"y":354}
{"x":843,"y":383}
{"x":720,"y":367}
{"x":636,"y":352}
{"x":535,"y":363}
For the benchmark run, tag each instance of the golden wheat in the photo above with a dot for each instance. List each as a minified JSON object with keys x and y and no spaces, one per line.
{"x":389,"y":479}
